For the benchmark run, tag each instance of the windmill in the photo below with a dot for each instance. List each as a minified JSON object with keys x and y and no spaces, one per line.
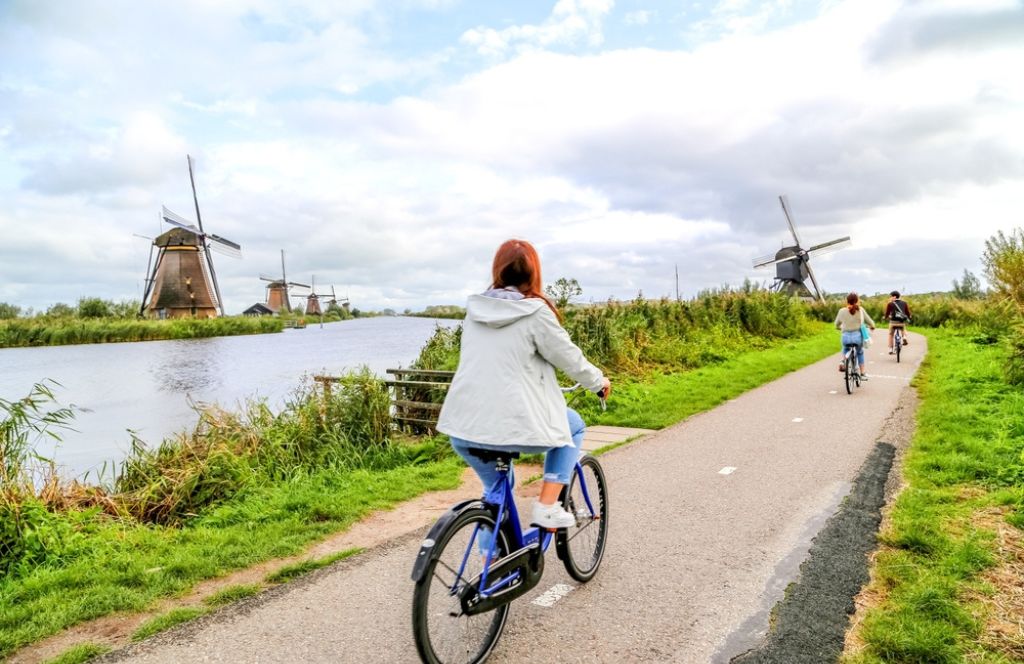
{"x":793,"y":263}
{"x":333,"y":302}
{"x":182,"y":281}
{"x":278,"y":290}
{"x":313,"y":301}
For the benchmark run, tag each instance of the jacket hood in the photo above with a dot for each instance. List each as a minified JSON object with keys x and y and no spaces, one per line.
{"x":495,"y":309}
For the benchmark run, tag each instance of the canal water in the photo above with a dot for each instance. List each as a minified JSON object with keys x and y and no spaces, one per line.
{"x":150,"y":387}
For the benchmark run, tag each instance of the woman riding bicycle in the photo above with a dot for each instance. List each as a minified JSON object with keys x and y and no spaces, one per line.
{"x":504,"y":395}
{"x":849,"y":319}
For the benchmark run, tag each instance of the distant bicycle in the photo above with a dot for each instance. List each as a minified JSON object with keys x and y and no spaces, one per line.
{"x":477,"y":559}
{"x":851,"y":374}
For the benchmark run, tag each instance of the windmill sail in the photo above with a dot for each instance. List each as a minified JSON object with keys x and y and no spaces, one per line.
{"x":792,"y":263}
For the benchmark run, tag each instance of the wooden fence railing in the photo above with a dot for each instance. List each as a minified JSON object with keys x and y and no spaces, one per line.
{"x":416,"y":396}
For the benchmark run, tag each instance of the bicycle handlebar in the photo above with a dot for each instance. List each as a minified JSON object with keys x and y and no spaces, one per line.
{"x":600,"y":395}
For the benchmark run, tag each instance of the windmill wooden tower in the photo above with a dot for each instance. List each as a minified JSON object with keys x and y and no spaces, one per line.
{"x":278,"y":290}
{"x":313,"y":301}
{"x":793,"y":263}
{"x":182,"y":282}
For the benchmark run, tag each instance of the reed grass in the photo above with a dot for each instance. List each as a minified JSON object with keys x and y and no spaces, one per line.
{"x":50,"y":331}
{"x":642,"y":336}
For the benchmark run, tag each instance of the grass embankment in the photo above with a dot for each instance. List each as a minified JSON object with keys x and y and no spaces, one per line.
{"x":947,"y":579}
{"x":245,"y":488}
{"x":46,"y":331}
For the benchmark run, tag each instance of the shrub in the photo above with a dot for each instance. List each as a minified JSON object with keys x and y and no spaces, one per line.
{"x":93,"y":307}
{"x":9,"y":311}
{"x":1004,"y":265}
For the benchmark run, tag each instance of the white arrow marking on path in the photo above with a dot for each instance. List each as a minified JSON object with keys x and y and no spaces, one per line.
{"x":556,"y":592}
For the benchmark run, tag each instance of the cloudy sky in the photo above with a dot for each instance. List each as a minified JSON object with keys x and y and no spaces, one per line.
{"x":389,"y":146}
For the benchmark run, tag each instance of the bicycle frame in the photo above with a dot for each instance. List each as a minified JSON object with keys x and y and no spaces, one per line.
{"x":522,"y":539}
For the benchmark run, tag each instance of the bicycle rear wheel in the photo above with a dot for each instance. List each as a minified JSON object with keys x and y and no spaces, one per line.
{"x":898,"y":345}
{"x":443,"y":634}
{"x":581,"y":547}
{"x":851,"y":357}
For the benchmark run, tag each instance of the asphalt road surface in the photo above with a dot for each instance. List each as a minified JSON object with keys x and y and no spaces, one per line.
{"x":709,"y":521}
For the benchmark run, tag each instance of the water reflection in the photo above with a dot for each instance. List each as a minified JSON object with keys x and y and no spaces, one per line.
{"x":188,"y":366}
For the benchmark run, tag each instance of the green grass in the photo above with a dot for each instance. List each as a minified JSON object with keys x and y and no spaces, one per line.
{"x":123,"y":566}
{"x":62,"y":331}
{"x":668,"y":398}
{"x":232,"y":594}
{"x":289,"y":572}
{"x":165,"y":621}
{"x":83,"y":652}
{"x":967,"y":456}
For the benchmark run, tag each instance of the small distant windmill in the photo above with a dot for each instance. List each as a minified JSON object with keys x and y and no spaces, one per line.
{"x":333,"y":302}
{"x":793,"y":263}
{"x":278,"y":290}
{"x":182,"y":281}
{"x":313,"y":301}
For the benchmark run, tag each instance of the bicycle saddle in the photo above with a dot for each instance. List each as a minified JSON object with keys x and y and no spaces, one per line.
{"x":488,"y":456}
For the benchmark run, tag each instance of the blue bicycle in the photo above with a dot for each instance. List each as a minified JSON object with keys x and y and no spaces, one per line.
{"x":477,"y":559}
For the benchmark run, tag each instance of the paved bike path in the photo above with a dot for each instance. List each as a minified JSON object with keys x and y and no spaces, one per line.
{"x":709,"y":522}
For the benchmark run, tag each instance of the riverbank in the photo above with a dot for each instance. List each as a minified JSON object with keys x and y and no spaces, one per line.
{"x":47,"y":331}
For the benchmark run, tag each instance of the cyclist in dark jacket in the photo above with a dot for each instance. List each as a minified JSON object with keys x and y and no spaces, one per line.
{"x":897,"y":312}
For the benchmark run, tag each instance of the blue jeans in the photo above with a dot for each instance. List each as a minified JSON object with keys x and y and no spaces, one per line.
{"x":854,"y":339}
{"x":559,"y":462}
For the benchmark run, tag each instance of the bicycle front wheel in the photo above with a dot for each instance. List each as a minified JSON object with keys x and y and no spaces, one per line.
{"x":581,"y":547}
{"x":443,"y":633}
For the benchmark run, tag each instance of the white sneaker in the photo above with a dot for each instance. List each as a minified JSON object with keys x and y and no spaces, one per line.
{"x":552,"y":516}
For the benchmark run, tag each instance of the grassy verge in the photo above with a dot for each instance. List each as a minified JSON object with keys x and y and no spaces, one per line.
{"x":121,"y":566}
{"x":80,"y":653}
{"x":63,"y":331}
{"x":664,"y":399}
{"x":166,"y":621}
{"x":947,"y":577}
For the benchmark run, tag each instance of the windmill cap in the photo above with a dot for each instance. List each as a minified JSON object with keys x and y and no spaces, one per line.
{"x":895,"y":293}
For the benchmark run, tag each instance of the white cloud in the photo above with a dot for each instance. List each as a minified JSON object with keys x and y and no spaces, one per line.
{"x":572,"y":22}
{"x":639,"y":17}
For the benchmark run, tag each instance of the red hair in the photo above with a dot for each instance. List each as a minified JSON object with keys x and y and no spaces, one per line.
{"x":852,"y":302}
{"x":517,"y":264}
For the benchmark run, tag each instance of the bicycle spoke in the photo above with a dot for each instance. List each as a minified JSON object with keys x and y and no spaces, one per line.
{"x":581,"y":529}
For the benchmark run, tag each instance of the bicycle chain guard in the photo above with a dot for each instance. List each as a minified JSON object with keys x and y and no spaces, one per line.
{"x":528,"y":562}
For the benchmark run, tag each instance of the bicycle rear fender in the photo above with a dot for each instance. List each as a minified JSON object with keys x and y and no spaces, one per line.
{"x":426,"y":553}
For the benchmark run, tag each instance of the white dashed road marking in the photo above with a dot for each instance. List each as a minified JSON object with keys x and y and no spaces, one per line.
{"x":728,"y":470}
{"x":556,"y":592}
{"x":798,"y":419}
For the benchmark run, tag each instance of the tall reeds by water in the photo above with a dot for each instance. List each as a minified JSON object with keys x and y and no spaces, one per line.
{"x":167,"y":484}
{"x":638,"y":336}
{"x":51,"y":331}
{"x":26,"y":529}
